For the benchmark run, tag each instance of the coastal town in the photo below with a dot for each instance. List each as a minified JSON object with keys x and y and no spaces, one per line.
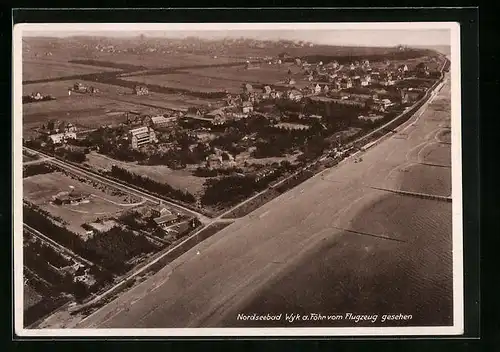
{"x":128,"y":160}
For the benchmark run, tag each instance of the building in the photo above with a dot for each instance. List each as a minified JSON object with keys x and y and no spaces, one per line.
{"x":316,"y":89}
{"x":71,"y":197}
{"x":79,"y":87}
{"x":141,"y":136}
{"x":375,"y":77}
{"x":295,"y":95}
{"x":380,"y":104}
{"x":159,"y":211}
{"x":403,"y":68}
{"x":134,"y":118}
{"x":371,"y":117}
{"x":247,"y":107}
{"x":247,"y":88}
{"x":141,"y":90}
{"x":340,"y":101}
{"x":345,"y":83}
{"x":250,"y":66}
{"x":61,"y":137}
{"x":36,"y":96}
{"x":92,"y":90}
{"x":366,"y":80}
{"x":165,"y":220}
{"x":161,"y":121}
{"x":410,"y":95}
{"x":262,"y":174}
{"x":193,"y":112}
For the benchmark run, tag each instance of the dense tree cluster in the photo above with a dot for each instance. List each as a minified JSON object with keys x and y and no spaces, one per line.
{"x":148,"y":184}
{"x":229,"y":190}
{"x":37,"y":169}
{"x":119,"y":243}
{"x":49,"y":254}
{"x":76,"y":156}
{"x":37,"y":262}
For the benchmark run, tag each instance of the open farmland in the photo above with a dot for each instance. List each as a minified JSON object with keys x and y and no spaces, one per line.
{"x":265,"y":74}
{"x":178,"y":179}
{"x":82,"y":109}
{"x":162,"y":59}
{"x":39,"y":190}
{"x":42,"y":69}
{"x":189,"y":82}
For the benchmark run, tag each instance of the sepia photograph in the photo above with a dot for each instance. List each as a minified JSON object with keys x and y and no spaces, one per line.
{"x":237,"y":179}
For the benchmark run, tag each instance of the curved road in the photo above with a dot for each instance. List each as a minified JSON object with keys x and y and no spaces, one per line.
{"x":227,"y":273}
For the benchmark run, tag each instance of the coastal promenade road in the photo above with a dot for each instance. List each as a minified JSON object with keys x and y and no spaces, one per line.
{"x":223,"y":273}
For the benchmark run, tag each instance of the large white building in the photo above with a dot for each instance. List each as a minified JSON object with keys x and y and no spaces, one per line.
{"x":61,"y":137}
{"x":141,"y":136}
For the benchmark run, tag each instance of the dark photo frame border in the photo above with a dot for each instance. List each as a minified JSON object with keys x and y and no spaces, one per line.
{"x":468,"y":19}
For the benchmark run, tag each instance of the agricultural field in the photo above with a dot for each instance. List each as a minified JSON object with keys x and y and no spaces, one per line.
{"x":178,"y":179}
{"x":105,"y":107}
{"x":157,"y":60}
{"x":190,"y":82}
{"x":45,"y":69}
{"x":80,"y":109}
{"x":39,"y":189}
{"x":265,"y":74}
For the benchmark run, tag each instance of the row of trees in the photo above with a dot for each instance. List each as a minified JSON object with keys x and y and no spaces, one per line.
{"x":148,"y":184}
{"x":206,"y":172}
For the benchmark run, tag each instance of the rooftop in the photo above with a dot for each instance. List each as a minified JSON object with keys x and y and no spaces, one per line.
{"x":165,"y":218}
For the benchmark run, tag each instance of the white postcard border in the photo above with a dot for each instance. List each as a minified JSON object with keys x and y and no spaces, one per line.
{"x":458,"y":280}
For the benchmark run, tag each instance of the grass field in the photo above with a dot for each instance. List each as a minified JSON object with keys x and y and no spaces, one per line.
{"x":190,"y":82}
{"x":266,"y":74}
{"x":92,"y":110}
{"x":82,"y":109}
{"x":39,"y":190}
{"x":156,"y":60}
{"x":179,"y":179}
{"x":43,"y":69}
